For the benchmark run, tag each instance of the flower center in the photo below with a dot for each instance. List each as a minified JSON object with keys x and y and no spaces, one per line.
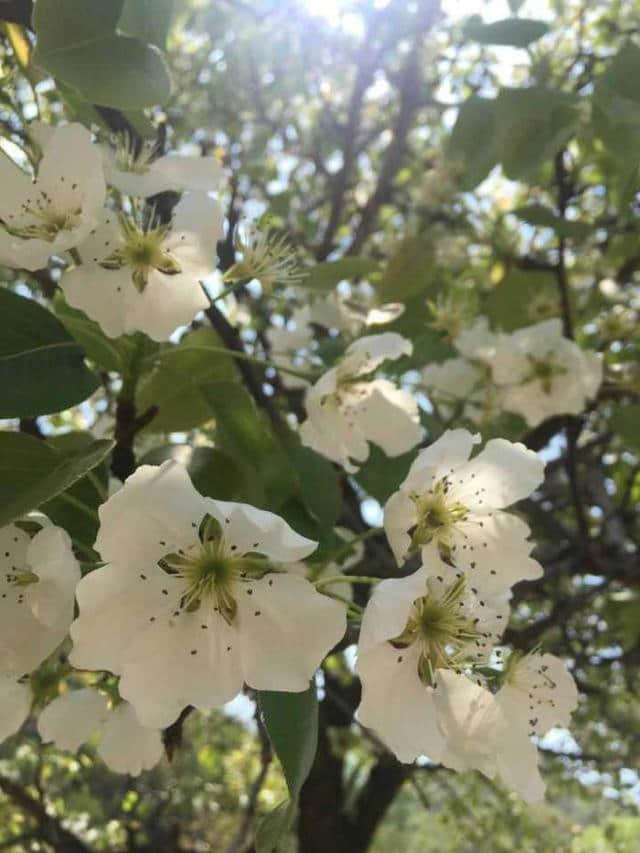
{"x":210,"y":569}
{"x":130,"y":157}
{"x":544,"y":370}
{"x":39,"y":220}
{"x":436,"y":515}
{"x":143,"y":251}
{"x":440,"y":624}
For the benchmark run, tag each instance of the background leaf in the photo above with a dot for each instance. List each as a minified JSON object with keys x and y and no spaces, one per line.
{"x":42,"y":368}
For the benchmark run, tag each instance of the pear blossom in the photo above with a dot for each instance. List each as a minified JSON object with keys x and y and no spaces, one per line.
{"x":37,"y":582}
{"x":477,"y":341}
{"x":125,"y":745}
{"x":134,"y":169}
{"x":540,"y":689}
{"x":57,"y":210}
{"x":15,"y":704}
{"x":452,"y":506}
{"x":146,"y":278}
{"x":543,"y":373}
{"x":196,"y":599}
{"x":412,"y":629}
{"x":346,"y":410}
{"x":463,"y":387}
{"x":480,"y":735}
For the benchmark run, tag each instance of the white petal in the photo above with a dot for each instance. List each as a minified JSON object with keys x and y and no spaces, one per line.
{"x":51,"y":557}
{"x":171,"y":172}
{"x":285,"y":629}
{"x":501,"y":474}
{"x":366,"y":354}
{"x":449,"y":452}
{"x":71,"y":170}
{"x":15,"y":704}
{"x":197,"y":225}
{"x":168,"y":301}
{"x":127,"y":746}
{"x":189,"y":659}
{"x":251,"y":529}
{"x":156,"y":512}
{"x":540,"y":691}
{"x":399,"y":518}
{"x":388,"y":416}
{"x":385,"y":616}
{"x":73,"y":718}
{"x":396,"y":705}
{"x":116,"y":602}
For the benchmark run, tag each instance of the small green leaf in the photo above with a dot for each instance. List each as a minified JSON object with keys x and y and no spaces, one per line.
{"x":174,"y":384}
{"x":104,"y":351}
{"x":76,"y":508}
{"x":472,"y":143}
{"x":325,"y":275}
{"x":515,"y":32}
{"x":523,"y":297}
{"x":291,"y":719}
{"x":319,"y":484}
{"x":82,"y":48}
{"x":32,"y":471}
{"x":624,"y":420}
{"x":42,"y":368}
{"x":244,"y":433}
{"x":538,"y":214}
{"x":380,"y":474}
{"x":409,"y":271}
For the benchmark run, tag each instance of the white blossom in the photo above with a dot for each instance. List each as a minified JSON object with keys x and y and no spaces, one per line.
{"x":453,"y":506}
{"x":195,"y":599}
{"x":481,"y":736}
{"x":147,"y":278}
{"x":267,"y":257}
{"x":37,"y":582}
{"x":346,"y":410}
{"x":15,"y":703}
{"x":125,"y":745}
{"x":543,"y":373}
{"x":57,"y":210}
{"x":463,"y":388}
{"x":134,"y":169}
{"x":412,"y":629}
{"x":539,"y":689}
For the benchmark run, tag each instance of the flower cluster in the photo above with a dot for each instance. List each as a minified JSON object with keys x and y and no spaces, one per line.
{"x":534,"y":372}
{"x":426,"y":637}
{"x":134,"y":270}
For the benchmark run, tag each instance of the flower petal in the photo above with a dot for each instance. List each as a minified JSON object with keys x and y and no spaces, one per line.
{"x":73,"y":718}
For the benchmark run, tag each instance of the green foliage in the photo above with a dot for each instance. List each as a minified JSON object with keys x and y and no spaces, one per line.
{"x":291,"y":719}
{"x":174,"y":383}
{"x":147,"y":20}
{"x":32,"y":471}
{"x":516,"y":32}
{"x":86,"y":52}
{"x":42,"y":368}
{"x":325,"y":275}
{"x":409,"y":270}
{"x":512,"y":303}
{"x":106,"y":352}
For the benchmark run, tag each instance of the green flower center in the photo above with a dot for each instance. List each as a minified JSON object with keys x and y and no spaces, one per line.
{"x":39,"y":220}
{"x":210,"y":570}
{"x":436,"y":515}
{"x":143,"y":251}
{"x":544,"y":370}
{"x":440,"y":624}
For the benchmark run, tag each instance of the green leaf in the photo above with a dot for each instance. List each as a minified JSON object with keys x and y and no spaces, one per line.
{"x":273,"y":826}
{"x":244,"y":433}
{"x":104,"y":351}
{"x":521,"y":297}
{"x":214,"y":473}
{"x":82,"y":48}
{"x":174,"y":385}
{"x":381,"y":475}
{"x":624,"y":420}
{"x":76,"y":508}
{"x":325,"y":275}
{"x":531,"y":126}
{"x":42,"y":368}
{"x":616,"y":103}
{"x":516,"y":32}
{"x":32,"y":471}
{"x":319,"y":484}
{"x":472,"y":142}
{"x":291,"y":719}
{"x":538,"y":214}
{"x":409,"y":271}
{"x":148,"y":20}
